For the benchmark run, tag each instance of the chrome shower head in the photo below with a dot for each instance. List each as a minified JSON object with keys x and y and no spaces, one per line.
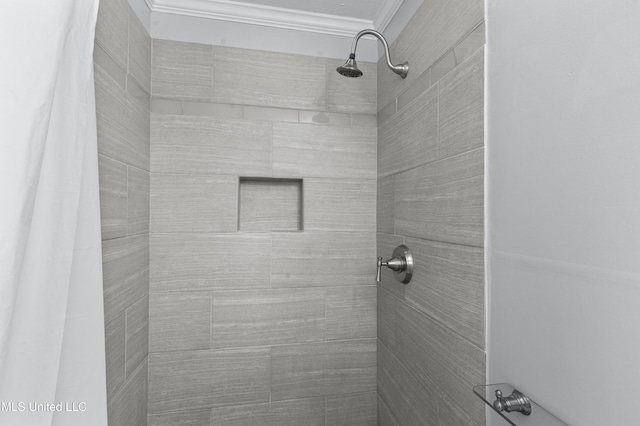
{"x":350,"y":68}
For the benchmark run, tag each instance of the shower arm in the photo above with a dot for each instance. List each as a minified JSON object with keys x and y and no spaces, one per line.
{"x":400,"y":69}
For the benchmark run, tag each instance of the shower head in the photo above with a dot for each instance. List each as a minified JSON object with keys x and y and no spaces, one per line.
{"x":350,"y":68}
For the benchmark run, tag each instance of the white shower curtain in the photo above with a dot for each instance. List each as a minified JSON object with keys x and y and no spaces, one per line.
{"x":52,"y":362}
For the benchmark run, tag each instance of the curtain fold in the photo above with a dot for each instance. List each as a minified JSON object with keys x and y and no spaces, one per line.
{"x":52,"y":361}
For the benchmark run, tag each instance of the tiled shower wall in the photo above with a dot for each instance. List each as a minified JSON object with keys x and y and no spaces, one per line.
{"x":431,"y":337}
{"x":249,"y":325}
{"x":122,"y":62}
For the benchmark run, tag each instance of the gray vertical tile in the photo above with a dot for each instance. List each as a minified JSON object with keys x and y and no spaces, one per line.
{"x":312,"y":150}
{"x":339,"y":204}
{"x":410,"y":138}
{"x":103,"y":60}
{"x":212,"y":110}
{"x":440,"y":358}
{"x":129,"y":406}
{"x":267,"y":317}
{"x":331,"y":118}
{"x":194,"y":203}
{"x":411,"y":403}
{"x":351,"y":313}
{"x":352,"y":410}
{"x":122,"y":123}
{"x":471,"y":43}
{"x":125,"y":269}
{"x":461,"y":113}
{"x":139,"y":53}
{"x":182,"y":70}
{"x":113,"y":197}
{"x":270,"y":205}
{"x":448,"y":285}
{"x":255,"y":77}
{"x":322,"y":369}
{"x":179,"y":321}
{"x":443,"y":66}
{"x":418,"y":87}
{"x":269,"y":114}
{"x":443,"y":201}
{"x":208,"y":379}
{"x":386,"y":318}
{"x":137,"y":334}
{"x":435,"y":28}
{"x":166,"y":106}
{"x":209,"y":261}
{"x":352,"y":94}
{"x":308,"y":412}
{"x":205,"y":145}
{"x":385,"y":417}
{"x":385,"y":204}
{"x":138,"y":201}
{"x":115,"y":356}
{"x":320,"y":259}
{"x":112,"y":30}
{"x":181,"y":418}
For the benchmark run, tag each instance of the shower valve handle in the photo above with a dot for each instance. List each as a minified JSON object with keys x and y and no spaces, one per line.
{"x":401,"y":263}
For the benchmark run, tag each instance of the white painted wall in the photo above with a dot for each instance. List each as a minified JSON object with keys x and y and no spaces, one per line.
{"x":563,"y":188}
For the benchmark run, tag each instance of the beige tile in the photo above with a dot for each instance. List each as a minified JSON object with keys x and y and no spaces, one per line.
{"x":385,"y":204}
{"x":440,"y":358}
{"x":113,"y":197}
{"x":182,"y":71}
{"x":139,"y":53}
{"x":129,"y":405}
{"x":137,"y":334}
{"x":112,"y":30}
{"x":181,"y":418}
{"x":352,"y":94}
{"x":205,"y":145}
{"x":194,"y":203}
{"x":352,"y":410}
{"x":339,"y":204}
{"x":267,"y":317}
{"x":351,"y":313}
{"x":208,"y":379}
{"x":138,"y":201}
{"x":115,"y":356}
{"x":448,"y":285}
{"x":179,"y":321}
{"x":410,"y":138}
{"x":308,"y":412}
{"x":270,"y":205}
{"x":312,"y":150}
{"x":436,"y":27}
{"x":320,"y":259}
{"x":443,"y":201}
{"x":209,"y":261}
{"x":125,"y":269}
{"x":461,"y":113}
{"x":322,"y":369}
{"x":255,"y":77}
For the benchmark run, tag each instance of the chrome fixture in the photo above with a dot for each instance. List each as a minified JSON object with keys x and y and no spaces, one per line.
{"x":350,"y":68}
{"x":401,"y":263}
{"x":514,"y":402}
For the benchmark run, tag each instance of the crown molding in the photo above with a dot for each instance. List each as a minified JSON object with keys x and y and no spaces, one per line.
{"x":385,"y":14}
{"x":289,"y":19}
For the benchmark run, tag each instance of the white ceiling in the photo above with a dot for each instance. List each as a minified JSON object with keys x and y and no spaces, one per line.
{"x":313,"y":27}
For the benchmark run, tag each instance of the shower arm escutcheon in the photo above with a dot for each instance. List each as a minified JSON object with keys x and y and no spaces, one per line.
{"x":401,"y":263}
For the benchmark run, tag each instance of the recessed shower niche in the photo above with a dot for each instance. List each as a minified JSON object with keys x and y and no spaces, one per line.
{"x":270,"y":204}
